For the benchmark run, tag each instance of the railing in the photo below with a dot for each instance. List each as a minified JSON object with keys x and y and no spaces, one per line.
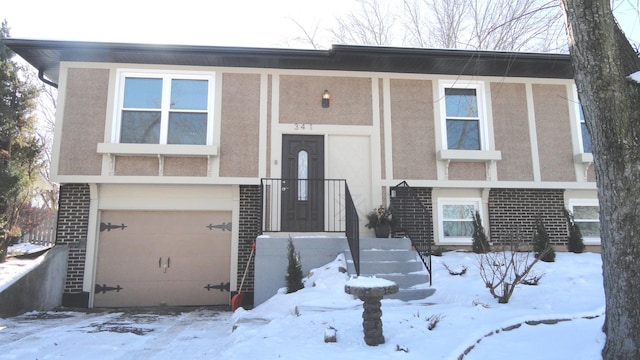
{"x":353,"y":229}
{"x":310,"y":205}
{"x":412,"y":219}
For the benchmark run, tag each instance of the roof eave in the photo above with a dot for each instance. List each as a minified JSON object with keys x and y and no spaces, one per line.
{"x":46,"y":55}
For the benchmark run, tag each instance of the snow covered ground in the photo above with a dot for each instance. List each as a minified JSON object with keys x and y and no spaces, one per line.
{"x":14,"y":268}
{"x":560,"y":318}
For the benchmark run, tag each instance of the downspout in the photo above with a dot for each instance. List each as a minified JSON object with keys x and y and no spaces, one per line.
{"x":46,"y":81}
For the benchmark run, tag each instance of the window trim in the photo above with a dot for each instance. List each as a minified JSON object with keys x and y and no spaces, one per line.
{"x":476,"y":202}
{"x":166,"y":76}
{"x":586,"y":202}
{"x":580,"y":120}
{"x":481,"y":98}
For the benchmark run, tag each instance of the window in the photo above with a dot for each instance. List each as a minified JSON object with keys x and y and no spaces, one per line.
{"x":586,"y":214}
{"x":303,"y":175}
{"x":463,"y":110}
{"x":456,"y":220}
{"x":584,"y":133}
{"x":165,"y":109}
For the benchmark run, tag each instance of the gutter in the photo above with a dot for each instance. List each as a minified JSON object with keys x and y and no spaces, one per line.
{"x":46,"y":81}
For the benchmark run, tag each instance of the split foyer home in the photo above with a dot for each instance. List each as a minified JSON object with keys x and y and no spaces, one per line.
{"x":174,"y":160}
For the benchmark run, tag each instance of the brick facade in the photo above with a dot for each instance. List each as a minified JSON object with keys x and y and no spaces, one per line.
{"x":249,"y":228}
{"x":514,"y":211}
{"x":413,"y":209}
{"x":71,"y":230}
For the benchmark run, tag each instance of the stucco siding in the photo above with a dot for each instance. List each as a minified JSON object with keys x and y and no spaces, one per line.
{"x":136,"y":166}
{"x":300,"y":100}
{"x":83,"y":125}
{"x":511,"y":131}
{"x":467,"y":171}
{"x":412,"y":129}
{"x":185,"y":166}
{"x":240,"y":128}
{"x":553,"y":133}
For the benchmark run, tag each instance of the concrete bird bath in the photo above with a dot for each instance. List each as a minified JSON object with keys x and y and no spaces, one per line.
{"x":371,"y":290}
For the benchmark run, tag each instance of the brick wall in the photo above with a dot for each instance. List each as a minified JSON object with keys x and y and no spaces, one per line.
{"x":71,"y":230}
{"x":249,"y":228}
{"x":515,"y":210}
{"x":413,"y":211}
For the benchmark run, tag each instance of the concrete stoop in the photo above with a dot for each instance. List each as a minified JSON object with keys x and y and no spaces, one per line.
{"x":393,"y":259}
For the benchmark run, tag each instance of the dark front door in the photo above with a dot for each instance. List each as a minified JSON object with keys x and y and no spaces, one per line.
{"x":302,"y":183}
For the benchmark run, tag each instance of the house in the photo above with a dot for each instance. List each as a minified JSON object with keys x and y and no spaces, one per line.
{"x":172,"y":160}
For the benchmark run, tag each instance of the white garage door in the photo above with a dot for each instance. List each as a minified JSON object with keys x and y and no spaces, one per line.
{"x":151,"y":258}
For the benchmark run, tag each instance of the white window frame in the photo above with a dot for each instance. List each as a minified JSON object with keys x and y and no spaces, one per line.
{"x":586,"y":202}
{"x":166,"y":77}
{"x":580,"y":120}
{"x":479,"y":87}
{"x":455,"y":201}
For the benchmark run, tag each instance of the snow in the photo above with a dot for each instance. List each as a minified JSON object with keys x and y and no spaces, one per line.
{"x":13,"y":269}
{"x":635,"y":77}
{"x":368,"y":282}
{"x":560,"y":318}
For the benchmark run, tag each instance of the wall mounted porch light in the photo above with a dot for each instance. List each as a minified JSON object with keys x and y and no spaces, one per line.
{"x":325,"y":99}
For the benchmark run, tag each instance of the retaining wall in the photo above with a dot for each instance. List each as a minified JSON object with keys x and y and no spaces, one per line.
{"x":40,"y":289}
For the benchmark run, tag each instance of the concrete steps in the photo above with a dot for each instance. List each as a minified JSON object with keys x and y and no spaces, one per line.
{"x":393,"y":259}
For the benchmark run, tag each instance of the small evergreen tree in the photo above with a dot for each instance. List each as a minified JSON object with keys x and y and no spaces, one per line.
{"x":19,"y":147}
{"x":480,"y":241}
{"x":575,"y":243}
{"x":294,"y":269}
{"x":541,"y":244}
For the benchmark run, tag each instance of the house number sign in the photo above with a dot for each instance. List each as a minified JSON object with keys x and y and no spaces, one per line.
{"x":299,"y":127}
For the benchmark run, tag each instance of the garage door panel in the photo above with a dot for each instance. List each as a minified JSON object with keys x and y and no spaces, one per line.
{"x":207,"y":269}
{"x":128,"y":268}
{"x":148,"y":258}
{"x":184,"y":293}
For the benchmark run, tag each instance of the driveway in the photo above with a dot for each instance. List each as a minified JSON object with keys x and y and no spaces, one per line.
{"x":146,"y":333}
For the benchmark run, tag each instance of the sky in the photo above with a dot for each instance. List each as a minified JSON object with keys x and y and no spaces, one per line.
{"x":560,"y":318}
{"x":253,"y":23}
{"x":195,"y":22}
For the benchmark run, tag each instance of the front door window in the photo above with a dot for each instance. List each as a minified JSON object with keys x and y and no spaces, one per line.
{"x":303,"y":175}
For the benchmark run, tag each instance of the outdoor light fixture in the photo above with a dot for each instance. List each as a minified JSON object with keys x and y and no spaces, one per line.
{"x":325,"y":99}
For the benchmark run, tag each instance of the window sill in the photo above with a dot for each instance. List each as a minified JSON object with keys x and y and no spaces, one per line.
{"x":157,"y":150}
{"x":469,"y":155}
{"x":485,"y":156}
{"x":583,"y":158}
{"x":455,"y":241}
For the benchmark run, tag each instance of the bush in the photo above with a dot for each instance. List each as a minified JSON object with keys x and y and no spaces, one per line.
{"x":480,"y":241}
{"x":502,"y":271}
{"x":294,"y":269}
{"x":541,"y":244}
{"x":575,"y":243}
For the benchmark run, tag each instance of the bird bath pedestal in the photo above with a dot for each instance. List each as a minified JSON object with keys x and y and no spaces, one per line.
{"x":371,"y":291}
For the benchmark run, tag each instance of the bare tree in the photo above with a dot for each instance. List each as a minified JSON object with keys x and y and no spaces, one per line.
{"x":503,"y":270}
{"x":435,"y":23}
{"x":602,"y":60}
{"x":371,"y":24}
{"x":309,"y":35}
{"x":503,"y":25}
{"x":45,"y":111}
{"x":513,"y":25}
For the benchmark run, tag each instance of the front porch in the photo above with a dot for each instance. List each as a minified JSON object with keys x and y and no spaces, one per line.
{"x":327,"y":226}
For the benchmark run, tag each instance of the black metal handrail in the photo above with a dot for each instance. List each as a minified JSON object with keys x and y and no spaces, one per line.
{"x":335,"y":210}
{"x":411,"y":219}
{"x":352,"y":229}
